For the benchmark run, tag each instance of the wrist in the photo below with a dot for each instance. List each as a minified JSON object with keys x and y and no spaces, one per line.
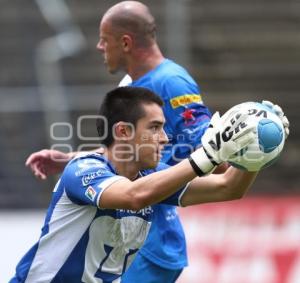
{"x":201,"y":162}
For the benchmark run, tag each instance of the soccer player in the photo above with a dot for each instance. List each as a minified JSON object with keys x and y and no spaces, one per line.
{"x":100,"y":212}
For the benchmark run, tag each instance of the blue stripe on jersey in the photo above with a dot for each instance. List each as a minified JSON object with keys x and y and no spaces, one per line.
{"x":23,"y":266}
{"x":72,"y":269}
{"x":58,"y":191}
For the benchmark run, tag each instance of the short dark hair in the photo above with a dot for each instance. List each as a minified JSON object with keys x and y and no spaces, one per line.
{"x":123,"y":104}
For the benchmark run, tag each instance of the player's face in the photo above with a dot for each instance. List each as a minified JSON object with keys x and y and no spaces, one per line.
{"x":150,"y":137}
{"x":110,"y":46}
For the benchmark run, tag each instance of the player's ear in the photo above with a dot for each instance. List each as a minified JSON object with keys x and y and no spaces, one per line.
{"x":123,"y":131}
{"x":127,"y":42}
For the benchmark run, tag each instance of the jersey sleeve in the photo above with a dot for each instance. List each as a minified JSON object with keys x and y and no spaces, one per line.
{"x":86,"y":179}
{"x":175,"y":199}
{"x":186,"y":115}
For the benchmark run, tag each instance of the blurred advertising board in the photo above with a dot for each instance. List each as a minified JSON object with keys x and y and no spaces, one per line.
{"x":252,"y":240}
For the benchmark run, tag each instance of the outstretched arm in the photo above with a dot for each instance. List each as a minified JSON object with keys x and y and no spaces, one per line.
{"x":160,"y":185}
{"x":231,"y":185}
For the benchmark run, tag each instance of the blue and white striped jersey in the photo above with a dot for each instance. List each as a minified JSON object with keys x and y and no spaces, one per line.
{"x":80,"y":242}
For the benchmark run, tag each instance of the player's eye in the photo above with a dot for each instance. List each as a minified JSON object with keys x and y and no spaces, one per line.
{"x":155,"y":128}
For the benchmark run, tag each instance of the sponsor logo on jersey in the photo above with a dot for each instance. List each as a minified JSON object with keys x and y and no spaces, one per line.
{"x":86,"y":179}
{"x":171,"y":214}
{"x":144,"y":211}
{"x":190,"y":120}
{"x":86,"y":164}
{"x":90,"y":193}
{"x":188,"y":115}
{"x":185,"y":100}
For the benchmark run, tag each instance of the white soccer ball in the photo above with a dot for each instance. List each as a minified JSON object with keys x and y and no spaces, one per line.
{"x":269,"y":140}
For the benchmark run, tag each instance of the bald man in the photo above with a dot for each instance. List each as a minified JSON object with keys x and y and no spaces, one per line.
{"x":128,"y":43}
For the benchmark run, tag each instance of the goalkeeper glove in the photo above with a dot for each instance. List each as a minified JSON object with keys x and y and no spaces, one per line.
{"x":279,"y":112}
{"x":224,"y":137}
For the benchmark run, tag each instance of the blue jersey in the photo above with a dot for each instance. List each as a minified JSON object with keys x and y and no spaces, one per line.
{"x":80,"y":242}
{"x":186,"y":120}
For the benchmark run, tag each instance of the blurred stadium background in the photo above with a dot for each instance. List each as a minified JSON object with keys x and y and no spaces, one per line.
{"x":237,"y":50}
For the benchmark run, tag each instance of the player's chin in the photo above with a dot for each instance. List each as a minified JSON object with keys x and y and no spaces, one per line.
{"x":112,"y":70}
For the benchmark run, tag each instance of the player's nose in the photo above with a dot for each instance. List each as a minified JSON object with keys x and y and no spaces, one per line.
{"x":99,"y":46}
{"x":163,"y":138}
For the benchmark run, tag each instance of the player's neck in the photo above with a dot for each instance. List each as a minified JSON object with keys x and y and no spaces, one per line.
{"x":144,"y":61}
{"x":123,"y":163}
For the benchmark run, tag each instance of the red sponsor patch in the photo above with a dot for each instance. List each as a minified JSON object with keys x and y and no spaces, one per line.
{"x":188,"y":115}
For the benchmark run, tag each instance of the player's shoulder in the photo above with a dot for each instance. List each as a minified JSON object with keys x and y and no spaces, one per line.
{"x":84,"y":163}
{"x":85,"y":170}
{"x":173,"y":70}
{"x":174,"y":78}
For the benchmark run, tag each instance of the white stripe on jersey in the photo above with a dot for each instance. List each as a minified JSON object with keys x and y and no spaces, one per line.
{"x":58,"y":243}
{"x":122,"y":236}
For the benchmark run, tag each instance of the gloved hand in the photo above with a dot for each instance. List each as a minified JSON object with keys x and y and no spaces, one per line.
{"x":279,"y":112}
{"x":225,"y":136}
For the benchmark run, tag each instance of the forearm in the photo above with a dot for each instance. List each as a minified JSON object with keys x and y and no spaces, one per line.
{"x":233,"y":184}
{"x":237,"y":182}
{"x":161,"y":185}
{"x":148,"y":190}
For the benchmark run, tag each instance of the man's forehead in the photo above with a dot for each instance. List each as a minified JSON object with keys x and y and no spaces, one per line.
{"x":103,"y":26}
{"x":154,"y":113}
{"x":106,"y":28}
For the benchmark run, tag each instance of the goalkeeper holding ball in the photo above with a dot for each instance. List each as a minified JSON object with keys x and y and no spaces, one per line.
{"x":100,"y":212}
